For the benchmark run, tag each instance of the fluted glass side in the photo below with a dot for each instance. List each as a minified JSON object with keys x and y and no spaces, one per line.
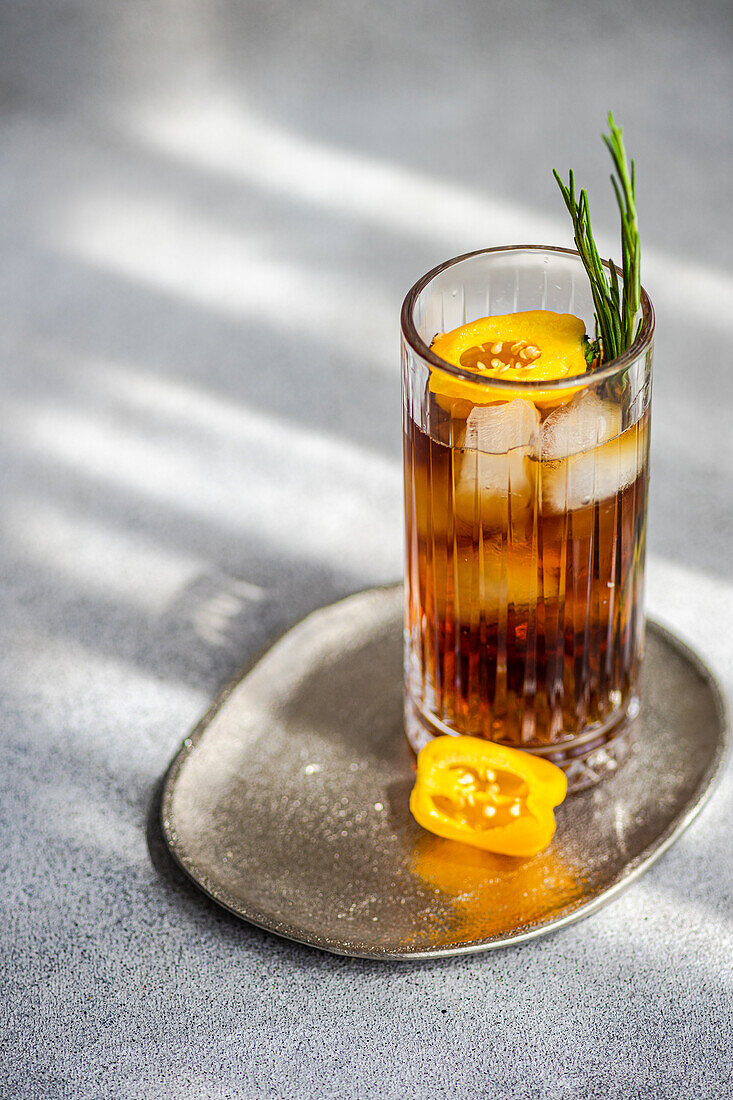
{"x":525,"y":530}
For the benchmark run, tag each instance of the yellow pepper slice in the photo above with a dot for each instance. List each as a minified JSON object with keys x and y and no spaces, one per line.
{"x":487,"y":795}
{"x":534,"y":346}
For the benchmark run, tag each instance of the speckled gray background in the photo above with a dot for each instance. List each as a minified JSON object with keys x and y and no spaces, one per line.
{"x":210,"y":213}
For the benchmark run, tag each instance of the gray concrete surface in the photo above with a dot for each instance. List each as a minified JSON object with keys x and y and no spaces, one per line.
{"x":209,"y":214}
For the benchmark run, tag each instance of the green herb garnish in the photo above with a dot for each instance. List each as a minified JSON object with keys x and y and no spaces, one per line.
{"x":616,"y":314}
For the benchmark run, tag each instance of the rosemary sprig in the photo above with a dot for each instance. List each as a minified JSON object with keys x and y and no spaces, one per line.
{"x":616,"y":312}
{"x":624,"y":187}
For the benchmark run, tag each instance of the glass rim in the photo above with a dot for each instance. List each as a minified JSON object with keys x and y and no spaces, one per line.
{"x":608,"y":370}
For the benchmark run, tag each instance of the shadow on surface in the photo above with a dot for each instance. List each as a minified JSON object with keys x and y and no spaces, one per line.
{"x":145,"y":334}
{"x":178,"y":883}
{"x":354,"y":697}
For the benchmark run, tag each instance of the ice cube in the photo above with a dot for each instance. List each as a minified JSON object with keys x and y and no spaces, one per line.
{"x":586,"y":422}
{"x":495,"y":480}
{"x":493,"y":490}
{"x":491,"y":581}
{"x":592,"y":475}
{"x":496,"y":429}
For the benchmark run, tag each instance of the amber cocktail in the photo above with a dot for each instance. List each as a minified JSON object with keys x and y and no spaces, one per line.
{"x":525,"y":508}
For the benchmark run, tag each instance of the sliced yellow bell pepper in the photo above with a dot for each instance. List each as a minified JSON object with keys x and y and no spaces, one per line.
{"x":488,"y":795}
{"x":535,"y":346}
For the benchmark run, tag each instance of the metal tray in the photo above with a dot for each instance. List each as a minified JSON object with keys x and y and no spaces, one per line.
{"x":288,"y":804}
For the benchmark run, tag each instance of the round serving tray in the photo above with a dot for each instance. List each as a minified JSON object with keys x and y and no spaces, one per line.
{"x":288,"y":804}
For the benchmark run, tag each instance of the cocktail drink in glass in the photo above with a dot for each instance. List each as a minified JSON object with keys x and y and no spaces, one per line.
{"x":525,"y":509}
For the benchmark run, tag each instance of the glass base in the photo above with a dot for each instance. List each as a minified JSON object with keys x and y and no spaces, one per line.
{"x":585,"y":759}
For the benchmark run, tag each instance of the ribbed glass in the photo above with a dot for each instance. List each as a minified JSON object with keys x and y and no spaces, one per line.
{"x":525,"y":528}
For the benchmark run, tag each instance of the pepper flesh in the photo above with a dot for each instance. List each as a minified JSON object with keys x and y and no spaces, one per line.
{"x":487,"y":795}
{"x":556,"y":340}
